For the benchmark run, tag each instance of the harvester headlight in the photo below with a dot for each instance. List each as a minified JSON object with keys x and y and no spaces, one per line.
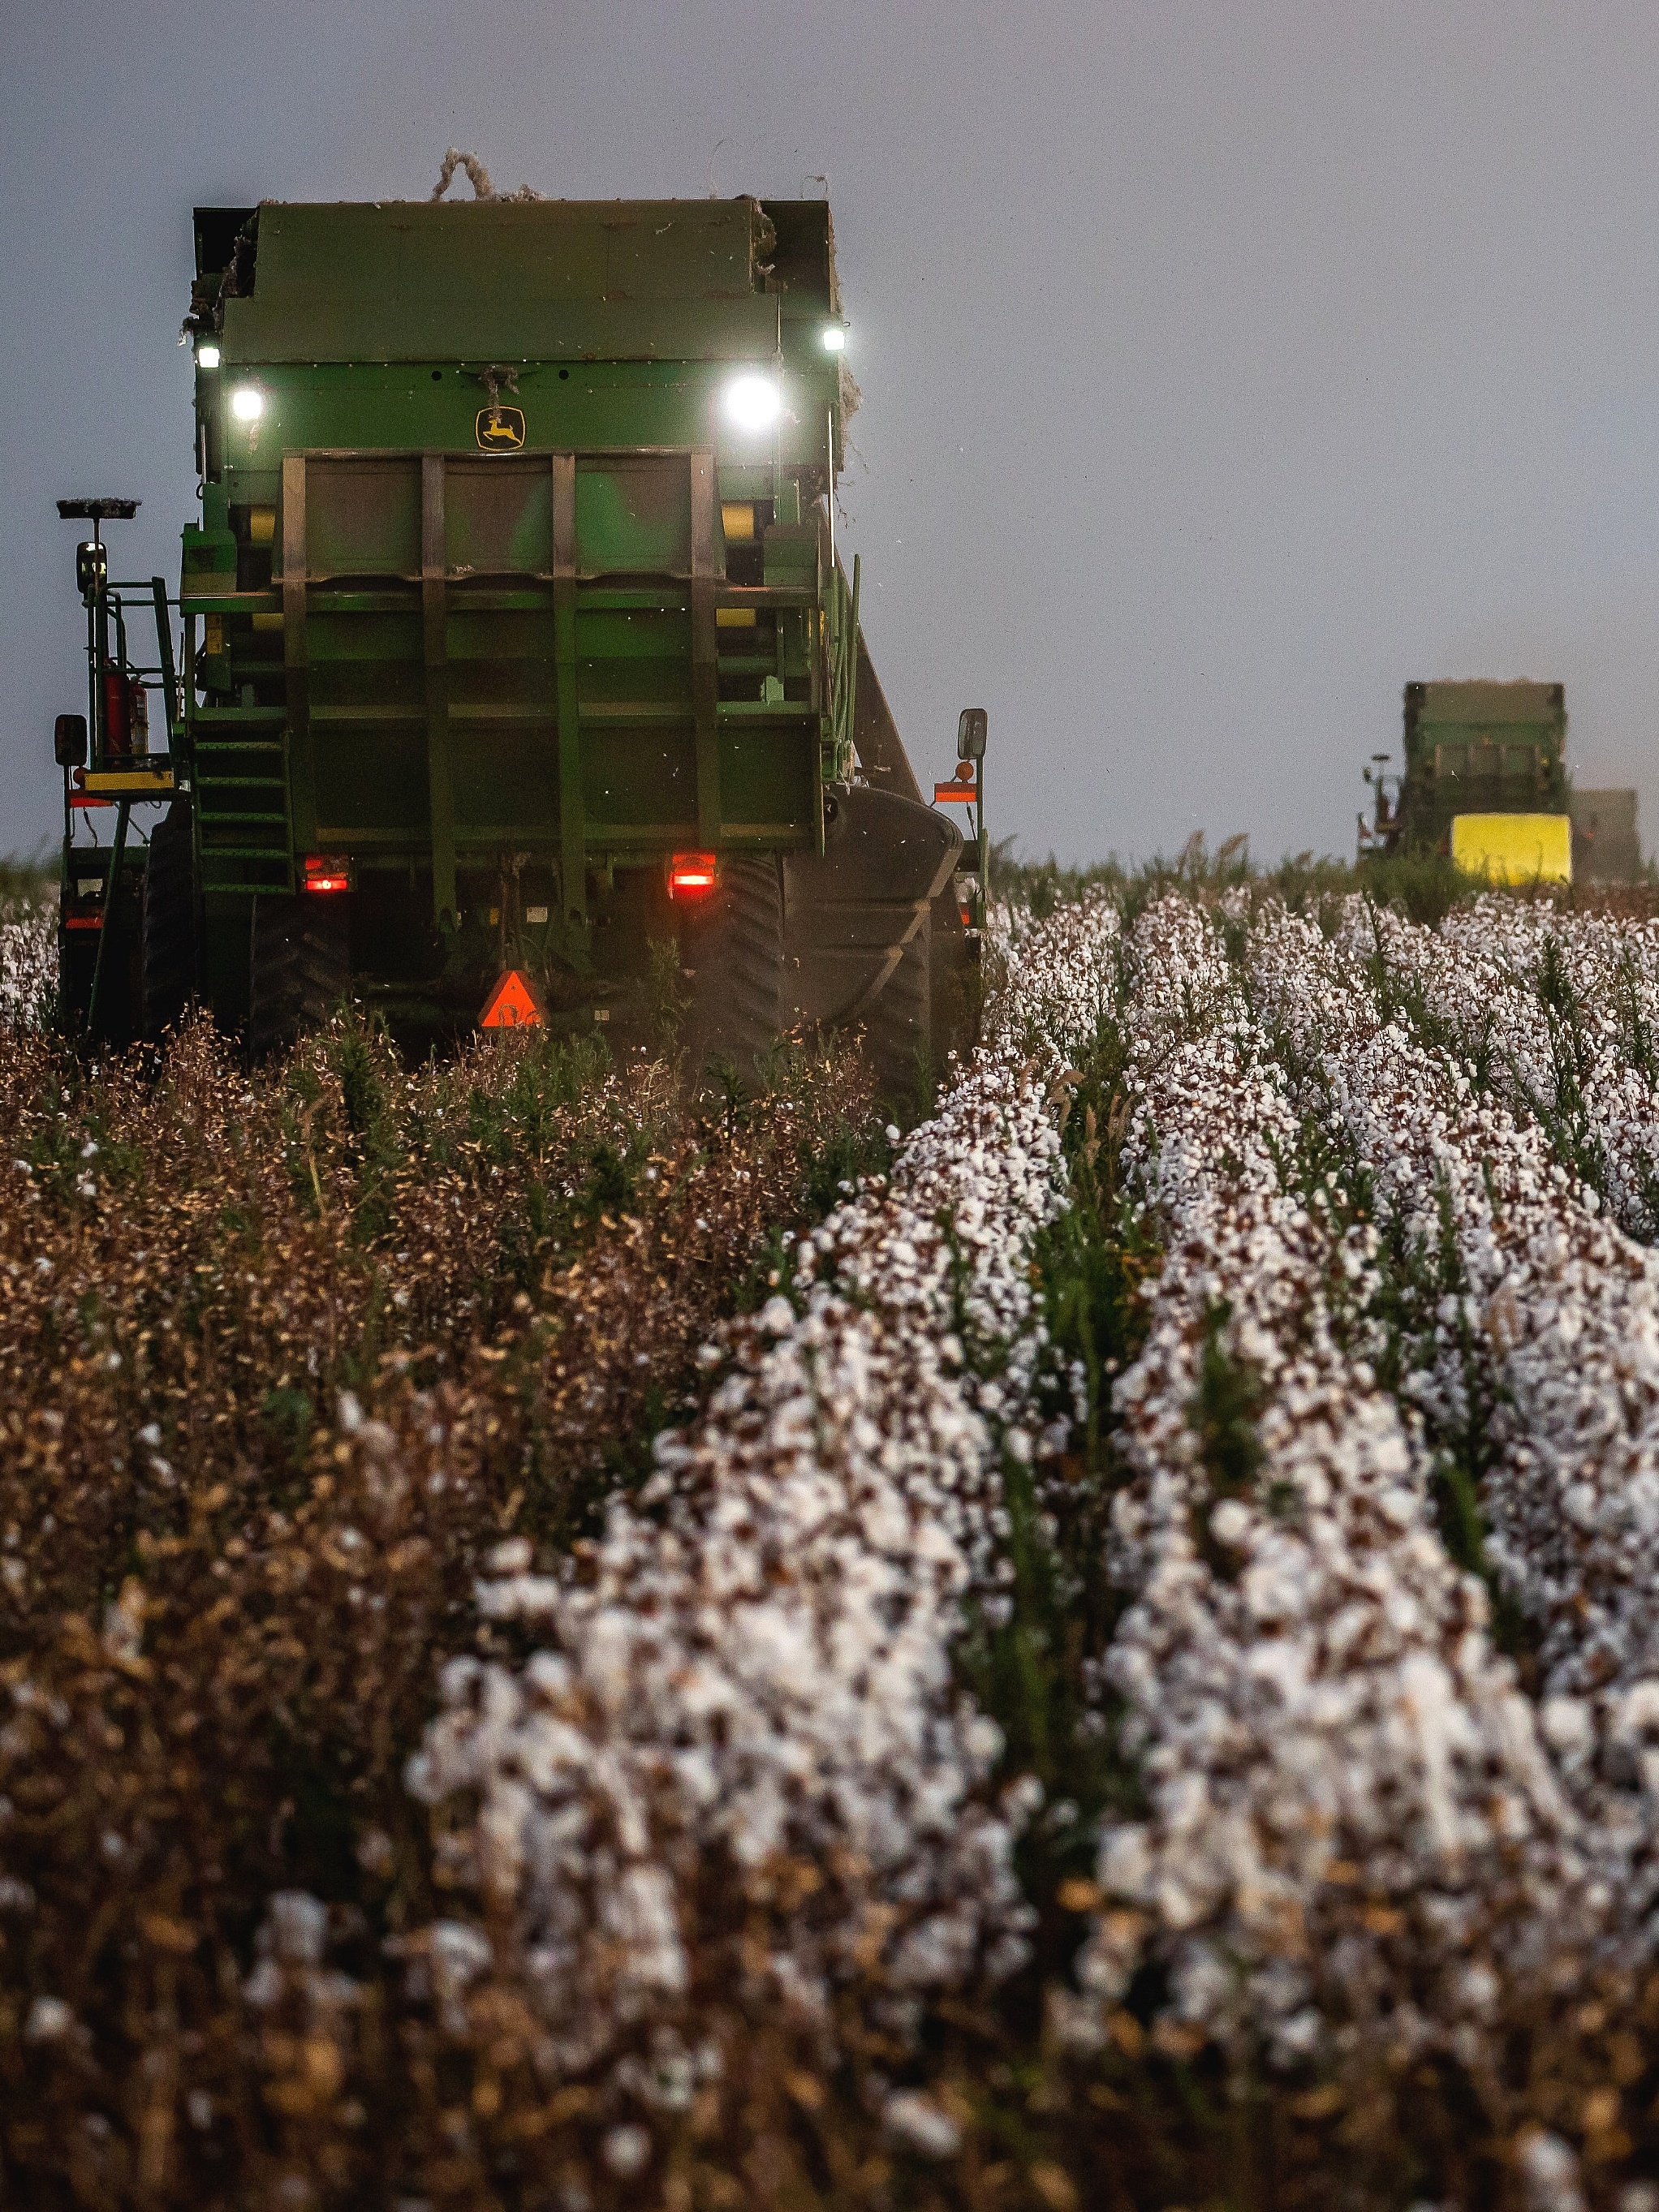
{"x":834,"y":338}
{"x":248,"y":404}
{"x":207,"y":356}
{"x":753,"y":403}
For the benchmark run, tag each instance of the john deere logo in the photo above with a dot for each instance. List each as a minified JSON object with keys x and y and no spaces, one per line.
{"x":500,"y":429}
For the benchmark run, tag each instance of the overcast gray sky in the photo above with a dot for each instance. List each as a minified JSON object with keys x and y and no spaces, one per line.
{"x":1224,"y":365}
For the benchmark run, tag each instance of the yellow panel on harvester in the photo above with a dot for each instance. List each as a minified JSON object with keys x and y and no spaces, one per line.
{"x":1513,"y":848}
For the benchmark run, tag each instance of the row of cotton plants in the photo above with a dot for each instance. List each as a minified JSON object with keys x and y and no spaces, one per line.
{"x":1557,"y":1011}
{"x":1556,"y":1320}
{"x":733,"y":1771}
{"x":1353,"y":1848}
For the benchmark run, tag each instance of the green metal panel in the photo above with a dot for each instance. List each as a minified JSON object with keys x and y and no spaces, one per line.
{"x":633,"y":515}
{"x":507,"y":281}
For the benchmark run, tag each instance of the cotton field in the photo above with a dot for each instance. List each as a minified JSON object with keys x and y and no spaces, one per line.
{"x":1102,"y":1648}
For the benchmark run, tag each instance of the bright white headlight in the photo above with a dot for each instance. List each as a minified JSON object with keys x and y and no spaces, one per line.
{"x":207,"y":356}
{"x":247,"y":404}
{"x":753,"y":403}
{"x":834,"y":339}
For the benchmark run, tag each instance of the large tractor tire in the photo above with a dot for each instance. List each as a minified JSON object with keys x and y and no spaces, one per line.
{"x":299,"y":970}
{"x":733,"y":955}
{"x":898,"y":1030}
{"x":168,"y":928}
{"x":78,"y":956}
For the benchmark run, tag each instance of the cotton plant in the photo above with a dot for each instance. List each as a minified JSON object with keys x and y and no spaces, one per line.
{"x":1556,"y":1014}
{"x":28,"y":963}
{"x":736,"y":1760}
{"x":1339,"y":1772}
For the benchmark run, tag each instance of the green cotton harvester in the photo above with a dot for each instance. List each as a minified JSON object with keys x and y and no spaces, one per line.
{"x":512,"y":673}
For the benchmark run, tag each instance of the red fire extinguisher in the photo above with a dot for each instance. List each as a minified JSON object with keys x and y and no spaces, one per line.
{"x":126,"y":715}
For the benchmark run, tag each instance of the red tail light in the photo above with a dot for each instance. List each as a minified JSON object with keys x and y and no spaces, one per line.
{"x":691,"y":875}
{"x":325,"y":872}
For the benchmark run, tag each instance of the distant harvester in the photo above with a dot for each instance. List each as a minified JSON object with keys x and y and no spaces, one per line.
{"x":1486,"y":781}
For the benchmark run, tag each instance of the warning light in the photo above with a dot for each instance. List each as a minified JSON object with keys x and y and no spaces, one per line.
{"x":691,"y":875}
{"x":514,"y":1004}
{"x":327,"y":872}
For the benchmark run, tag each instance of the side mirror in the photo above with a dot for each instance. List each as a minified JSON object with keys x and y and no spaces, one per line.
{"x":971,"y":725}
{"x":69,"y":740}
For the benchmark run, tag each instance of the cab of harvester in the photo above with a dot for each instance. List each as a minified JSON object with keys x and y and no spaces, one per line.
{"x":514,"y":640}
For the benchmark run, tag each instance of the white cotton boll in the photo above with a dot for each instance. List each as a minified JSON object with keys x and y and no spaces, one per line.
{"x":1299,"y":2038}
{"x":982,"y":1741}
{"x":1230,"y":1521}
{"x":1476,"y":1989}
{"x":297,"y":1924}
{"x":549,"y":1672}
{"x":1580,"y":1504}
{"x":916,"y":2123}
{"x":1022,"y":1801}
{"x":264,"y":1986}
{"x":776,"y":1317}
{"x":627,"y":2151}
{"x":511,"y":1557}
{"x":49,"y":2020}
{"x":1549,"y":2170}
{"x":348,"y":1413}
{"x":640,"y":1912}
{"x":1636,"y":1713}
{"x":456,"y":1955}
{"x":1567,"y":1724}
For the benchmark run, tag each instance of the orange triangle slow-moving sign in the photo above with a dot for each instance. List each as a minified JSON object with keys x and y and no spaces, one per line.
{"x":513,"y":1004}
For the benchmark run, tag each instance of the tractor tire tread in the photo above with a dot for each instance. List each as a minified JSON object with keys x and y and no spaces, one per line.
{"x":301,"y":970}
{"x":737,"y":993}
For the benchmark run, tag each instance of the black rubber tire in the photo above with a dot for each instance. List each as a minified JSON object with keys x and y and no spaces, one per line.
{"x":898,"y":1028}
{"x":734,"y":957}
{"x":75,"y":960}
{"x":299,"y":970}
{"x":168,"y":928}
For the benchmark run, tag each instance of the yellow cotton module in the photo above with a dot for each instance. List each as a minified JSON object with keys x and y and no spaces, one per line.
{"x":1513,"y":848}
